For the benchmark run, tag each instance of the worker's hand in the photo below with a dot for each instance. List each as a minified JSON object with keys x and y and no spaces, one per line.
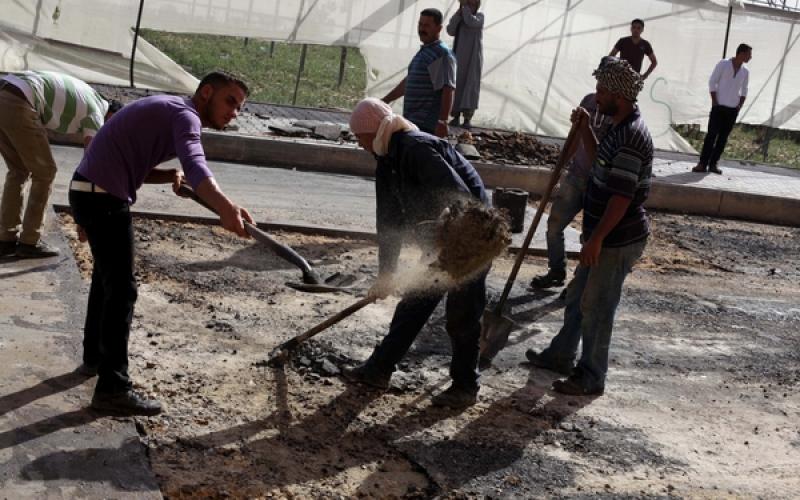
{"x":82,"y":237}
{"x":590,"y":252}
{"x":177,"y":179}
{"x":233,"y":219}
{"x":579,"y":114}
{"x":441,"y":129}
{"x":382,"y":288}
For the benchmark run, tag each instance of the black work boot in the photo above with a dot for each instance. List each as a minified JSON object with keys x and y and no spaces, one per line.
{"x":574,"y":386}
{"x":367,"y":375}
{"x":456,"y":397}
{"x":714,"y":169}
{"x":539,"y":361}
{"x":37,"y":251}
{"x":700,"y":168}
{"x":7,"y":248}
{"x":553,"y":278}
{"x":124,"y":403}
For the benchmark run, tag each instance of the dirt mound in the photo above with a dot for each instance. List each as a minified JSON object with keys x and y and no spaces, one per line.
{"x":511,"y":147}
{"x":470,"y":235}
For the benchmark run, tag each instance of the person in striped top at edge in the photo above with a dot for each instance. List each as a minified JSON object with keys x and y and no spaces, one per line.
{"x":429,"y":87}
{"x":615,"y":231}
{"x":30,"y":104}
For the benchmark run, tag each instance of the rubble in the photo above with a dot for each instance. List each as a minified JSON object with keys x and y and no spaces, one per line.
{"x":511,"y":147}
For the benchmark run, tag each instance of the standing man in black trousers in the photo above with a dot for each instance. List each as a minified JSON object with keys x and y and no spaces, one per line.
{"x":121,"y":158}
{"x":728,"y":87}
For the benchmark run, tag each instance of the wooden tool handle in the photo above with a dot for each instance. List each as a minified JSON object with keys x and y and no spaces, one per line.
{"x":281,"y":250}
{"x":299,"y":339}
{"x":554,"y":177}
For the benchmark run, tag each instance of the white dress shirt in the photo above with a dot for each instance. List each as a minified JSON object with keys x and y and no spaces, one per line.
{"x":729,"y":87}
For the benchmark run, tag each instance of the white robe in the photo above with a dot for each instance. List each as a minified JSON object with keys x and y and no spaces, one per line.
{"x":467,"y":28}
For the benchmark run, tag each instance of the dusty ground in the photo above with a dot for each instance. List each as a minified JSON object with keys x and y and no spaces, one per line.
{"x":702,"y":398}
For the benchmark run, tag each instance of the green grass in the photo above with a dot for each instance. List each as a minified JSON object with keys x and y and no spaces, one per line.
{"x":746,"y":142}
{"x":271,"y":79}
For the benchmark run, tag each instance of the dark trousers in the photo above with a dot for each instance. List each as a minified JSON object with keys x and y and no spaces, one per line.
{"x":463,"y":309}
{"x":720,"y":123}
{"x":108,"y":226}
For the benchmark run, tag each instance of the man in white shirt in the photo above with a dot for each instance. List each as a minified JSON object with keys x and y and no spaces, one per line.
{"x":728,"y":87}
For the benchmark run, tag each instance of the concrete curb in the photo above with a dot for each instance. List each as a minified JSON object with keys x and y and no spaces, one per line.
{"x":349,"y":160}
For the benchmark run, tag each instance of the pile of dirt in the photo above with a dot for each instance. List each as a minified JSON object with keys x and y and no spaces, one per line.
{"x":470,"y":235}
{"x":511,"y":147}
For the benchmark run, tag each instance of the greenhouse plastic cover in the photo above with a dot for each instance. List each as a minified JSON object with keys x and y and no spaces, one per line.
{"x":538,"y":55}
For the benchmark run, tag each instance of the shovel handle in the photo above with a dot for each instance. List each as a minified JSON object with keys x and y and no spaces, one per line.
{"x":554,"y":178}
{"x":281,"y":250}
{"x":281,"y":350}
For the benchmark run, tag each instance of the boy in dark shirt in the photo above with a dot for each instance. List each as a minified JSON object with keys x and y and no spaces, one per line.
{"x":633,"y":49}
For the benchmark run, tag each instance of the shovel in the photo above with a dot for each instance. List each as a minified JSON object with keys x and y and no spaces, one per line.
{"x":496,"y":327}
{"x":312,"y":282}
{"x":278,"y":355}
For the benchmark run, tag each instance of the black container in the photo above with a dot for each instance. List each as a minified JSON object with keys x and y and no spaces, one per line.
{"x":513,"y":201}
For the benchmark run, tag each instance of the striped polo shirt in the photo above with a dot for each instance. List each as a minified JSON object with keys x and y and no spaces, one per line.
{"x":623,"y":166}
{"x":431,"y":69}
{"x":64,"y":104}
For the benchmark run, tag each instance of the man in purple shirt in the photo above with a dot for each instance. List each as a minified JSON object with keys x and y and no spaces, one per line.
{"x":120,"y":159}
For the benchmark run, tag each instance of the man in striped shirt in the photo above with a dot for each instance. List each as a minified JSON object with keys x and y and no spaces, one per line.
{"x":30,"y":104}
{"x":615,"y":231}
{"x":428,"y":88}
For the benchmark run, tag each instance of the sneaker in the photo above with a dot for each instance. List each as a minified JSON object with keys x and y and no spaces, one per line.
{"x":539,"y":361}
{"x":700,"y":169}
{"x":572,"y":386}
{"x":37,"y":251}
{"x":86,"y":370}
{"x":551,"y":279}
{"x":715,"y":169}
{"x":363,"y":374}
{"x":125,"y":403}
{"x":8,"y":248}
{"x":455,"y":397}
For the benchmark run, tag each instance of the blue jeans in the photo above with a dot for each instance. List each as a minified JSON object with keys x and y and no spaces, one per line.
{"x":567,"y":202}
{"x":591,"y":304}
{"x":463,"y":310}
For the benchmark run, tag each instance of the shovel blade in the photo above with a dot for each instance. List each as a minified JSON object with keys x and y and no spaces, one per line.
{"x":495,"y":329}
{"x":337,"y":282}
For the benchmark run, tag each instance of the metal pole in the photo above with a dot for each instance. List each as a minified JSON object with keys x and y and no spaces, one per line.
{"x":342,"y":60}
{"x":769,"y":133}
{"x":271,"y":49}
{"x":136,"y":37}
{"x":299,"y":72}
{"x":727,"y":31}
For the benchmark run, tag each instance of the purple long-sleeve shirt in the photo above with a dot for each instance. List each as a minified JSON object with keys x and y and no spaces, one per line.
{"x":140,"y":136}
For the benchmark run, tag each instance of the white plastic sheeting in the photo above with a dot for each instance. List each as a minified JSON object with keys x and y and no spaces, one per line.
{"x":91,"y":40}
{"x":539,"y":54}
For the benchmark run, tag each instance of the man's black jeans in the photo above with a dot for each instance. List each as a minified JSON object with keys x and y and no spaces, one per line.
{"x":463,"y":310}
{"x":720,"y":123}
{"x":107,"y":222}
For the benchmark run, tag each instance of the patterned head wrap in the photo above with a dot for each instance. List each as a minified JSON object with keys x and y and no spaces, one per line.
{"x":619,"y":77}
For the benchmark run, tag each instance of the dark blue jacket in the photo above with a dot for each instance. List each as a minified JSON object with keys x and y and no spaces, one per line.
{"x":418,"y":177}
